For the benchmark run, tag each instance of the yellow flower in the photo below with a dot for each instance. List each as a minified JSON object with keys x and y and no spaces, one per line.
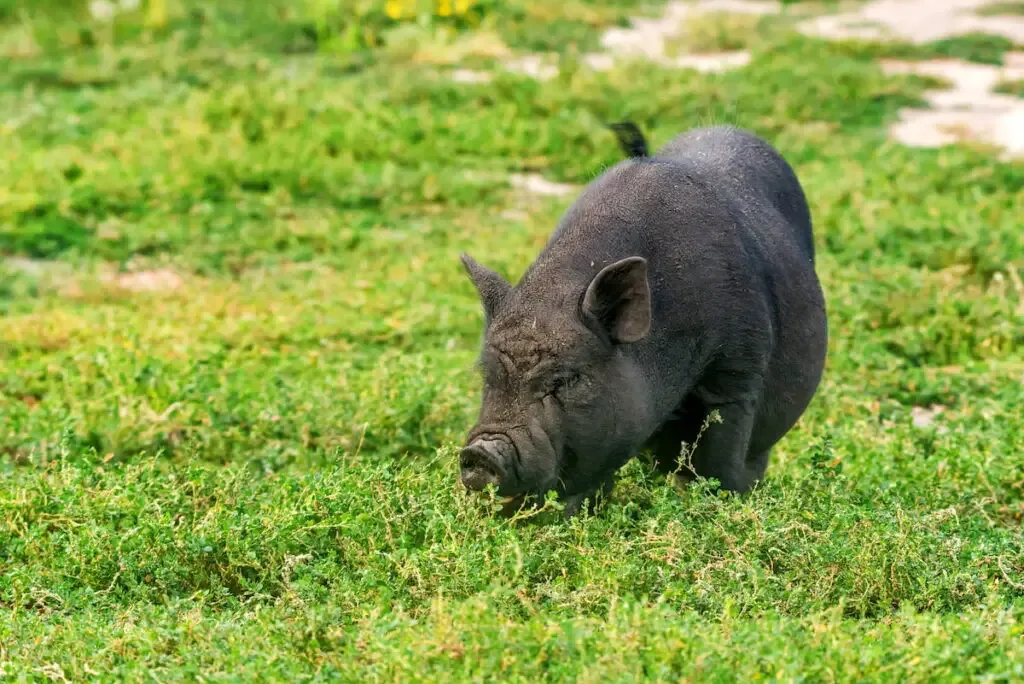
{"x":156,"y":13}
{"x":462,"y":6}
{"x":444,"y":8}
{"x":393,"y":8}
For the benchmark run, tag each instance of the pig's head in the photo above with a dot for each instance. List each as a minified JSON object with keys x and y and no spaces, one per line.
{"x":563,"y":405}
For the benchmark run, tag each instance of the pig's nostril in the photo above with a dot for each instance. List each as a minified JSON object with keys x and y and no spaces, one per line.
{"x":473,"y":457}
{"x":478,"y":468}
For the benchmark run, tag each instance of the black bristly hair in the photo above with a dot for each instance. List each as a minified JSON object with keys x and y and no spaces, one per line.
{"x":630,"y":138}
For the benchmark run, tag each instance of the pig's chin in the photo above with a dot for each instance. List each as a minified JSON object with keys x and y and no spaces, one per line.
{"x":510,"y":505}
{"x":532,"y":498}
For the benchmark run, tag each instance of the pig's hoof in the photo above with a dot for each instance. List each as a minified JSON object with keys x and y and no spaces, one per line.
{"x":681,"y":480}
{"x":574,"y":504}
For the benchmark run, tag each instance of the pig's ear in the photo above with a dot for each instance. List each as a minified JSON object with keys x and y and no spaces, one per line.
{"x":491,"y":286}
{"x":619,"y":300}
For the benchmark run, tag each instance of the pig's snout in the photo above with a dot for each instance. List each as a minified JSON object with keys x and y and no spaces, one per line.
{"x":481,"y":464}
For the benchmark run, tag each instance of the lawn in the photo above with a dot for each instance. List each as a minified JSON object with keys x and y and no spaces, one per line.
{"x":237,"y":360}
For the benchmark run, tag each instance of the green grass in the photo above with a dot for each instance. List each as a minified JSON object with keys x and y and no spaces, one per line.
{"x":981,"y":48}
{"x":1011,"y":88}
{"x":1002,"y":9}
{"x":250,"y":473}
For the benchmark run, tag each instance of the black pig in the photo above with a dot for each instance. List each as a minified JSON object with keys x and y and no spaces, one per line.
{"x":676,"y":284}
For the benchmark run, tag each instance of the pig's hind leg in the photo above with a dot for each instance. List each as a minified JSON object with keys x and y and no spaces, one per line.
{"x":723,"y":451}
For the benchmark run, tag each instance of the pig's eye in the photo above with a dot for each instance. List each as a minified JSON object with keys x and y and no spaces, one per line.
{"x":567,"y":382}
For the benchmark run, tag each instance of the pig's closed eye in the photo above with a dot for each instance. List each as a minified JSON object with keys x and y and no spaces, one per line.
{"x":566,"y":382}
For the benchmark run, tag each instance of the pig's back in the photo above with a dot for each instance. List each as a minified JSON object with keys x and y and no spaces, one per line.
{"x":739,"y":164}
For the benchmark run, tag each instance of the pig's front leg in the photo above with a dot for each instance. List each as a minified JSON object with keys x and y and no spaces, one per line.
{"x":574,"y":502}
{"x":723,"y":450}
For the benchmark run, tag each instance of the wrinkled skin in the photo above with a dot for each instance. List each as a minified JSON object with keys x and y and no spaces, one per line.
{"x":676,"y":284}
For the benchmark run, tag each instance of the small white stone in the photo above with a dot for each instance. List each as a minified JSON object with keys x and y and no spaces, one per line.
{"x":923,"y":417}
{"x":715,"y":62}
{"x":599,"y":61}
{"x":645,"y":38}
{"x":538,"y":185}
{"x":533,"y":65}
{"x":917,"y":21}
{"x":161,"y":280}
{"x":967,"y":110}
{"x":102,"y":10}
{"x":470,"y":76}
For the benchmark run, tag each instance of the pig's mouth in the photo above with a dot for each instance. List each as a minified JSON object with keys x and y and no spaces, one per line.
{"x":489,"y":459}
{"x":496,"y":458}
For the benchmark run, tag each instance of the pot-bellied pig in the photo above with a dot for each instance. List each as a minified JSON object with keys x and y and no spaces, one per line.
{"x":677,"y":284}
